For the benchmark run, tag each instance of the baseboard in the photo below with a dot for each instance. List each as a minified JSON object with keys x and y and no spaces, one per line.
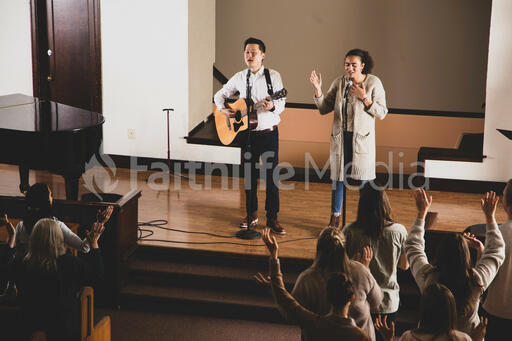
{"x":403,"y":181}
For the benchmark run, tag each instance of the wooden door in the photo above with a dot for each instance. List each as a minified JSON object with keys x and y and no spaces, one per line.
{"x":66,"y":52}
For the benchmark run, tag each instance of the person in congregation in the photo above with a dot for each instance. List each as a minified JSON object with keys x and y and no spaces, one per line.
{"x":437,"y":320}
{"x":39,"y":205}
{"x":374,"y":227}
{"x":7,"y":249}
{"x":452,"y":266}
{"x":331,"y":257}
{"x":352,"y":146}
{"x":49,"y":280}
{"x":498,"y":302}
{"x":336,"y":325}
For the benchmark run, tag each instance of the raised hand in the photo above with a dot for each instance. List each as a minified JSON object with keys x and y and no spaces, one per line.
{"x":473,"y":242}
{"x":366,"y":257}
{"x":103,"y":216}
{"x":270,"y":242}
{"x":316,"y":80}
{"x":423,"y":202}
{"x":381,"y":326}
{"x":94,"y":234}
{"x":478,"y":333}
{"x":489,"y":203}
{"x":262,"y":280}
{"x":11,"y":230}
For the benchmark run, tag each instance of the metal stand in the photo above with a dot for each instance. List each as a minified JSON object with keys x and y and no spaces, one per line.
{"x":169,"y":167}
{"x":249,"y":233}
{"x":345,"y":180}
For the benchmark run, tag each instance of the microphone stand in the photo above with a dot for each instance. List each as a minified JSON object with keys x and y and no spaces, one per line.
{"x":249,"y":233}
{"x":169,"y":169}
{"x":345,"y":180}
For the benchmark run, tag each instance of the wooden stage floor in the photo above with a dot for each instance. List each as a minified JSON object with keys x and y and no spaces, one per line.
{"x":205,"y":205}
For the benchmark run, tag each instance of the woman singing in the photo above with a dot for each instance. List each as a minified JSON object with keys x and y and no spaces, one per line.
{"x":352,"y":150}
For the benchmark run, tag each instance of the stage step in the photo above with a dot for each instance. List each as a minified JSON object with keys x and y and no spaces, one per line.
{"x":203,"y":282}
{"x":202,"y":301}
{"x":221,"y":284}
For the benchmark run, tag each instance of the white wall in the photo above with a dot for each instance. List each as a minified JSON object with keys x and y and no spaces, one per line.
{"x":15,"y":46}
{"x":145,"y":69}
{"x":497,"y":165}
{"x":201,"y":56}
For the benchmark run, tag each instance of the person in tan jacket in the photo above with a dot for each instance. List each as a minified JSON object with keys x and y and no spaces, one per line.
{"x":352,"y":143}
{"x":335,"y":325}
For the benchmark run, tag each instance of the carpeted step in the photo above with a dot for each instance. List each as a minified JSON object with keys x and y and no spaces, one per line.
{"x":203,"y":301}
{"x":198,"y":275}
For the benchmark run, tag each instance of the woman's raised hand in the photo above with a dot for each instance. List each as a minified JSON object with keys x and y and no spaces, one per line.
{"x":103,"y":216}
{"x":316,"y":81}
{"x":270,"y":242}
{"x":365,"y":257}
{"x":94,"y":234}
{"x":489,"y":202}
{"x":422,"y":202}
{"x":381,"y":325}
{"x":11,"y":230}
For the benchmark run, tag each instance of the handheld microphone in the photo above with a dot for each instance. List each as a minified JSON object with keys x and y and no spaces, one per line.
{"x":347,"y":87}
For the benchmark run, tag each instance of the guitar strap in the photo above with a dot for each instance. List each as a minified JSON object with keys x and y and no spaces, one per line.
{"x":269,"y":82}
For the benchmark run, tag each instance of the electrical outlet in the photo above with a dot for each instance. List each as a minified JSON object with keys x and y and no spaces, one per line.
{"x":131,"y":133}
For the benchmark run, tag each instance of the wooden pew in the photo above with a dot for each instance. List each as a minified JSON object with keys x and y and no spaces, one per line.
{"x":89,"y":331}
{"x":117,"y":243}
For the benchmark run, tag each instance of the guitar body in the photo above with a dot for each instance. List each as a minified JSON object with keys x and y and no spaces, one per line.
{"x":229,"y":128}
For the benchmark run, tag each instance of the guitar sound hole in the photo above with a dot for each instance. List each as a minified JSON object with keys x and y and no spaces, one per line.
{"x":238,"y":125}
{"x":238,"y":116}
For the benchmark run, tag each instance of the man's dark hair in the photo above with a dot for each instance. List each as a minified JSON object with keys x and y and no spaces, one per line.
{"x":252,"y":40}
{"x":339,"y":290}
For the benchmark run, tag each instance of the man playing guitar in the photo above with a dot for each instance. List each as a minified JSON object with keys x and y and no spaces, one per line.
{"x":264,"y":139}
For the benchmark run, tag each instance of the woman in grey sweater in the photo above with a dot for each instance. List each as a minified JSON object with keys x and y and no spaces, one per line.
{"x":353,"y":135}
{"x":452,"y":265}
{"x":374,"y":227}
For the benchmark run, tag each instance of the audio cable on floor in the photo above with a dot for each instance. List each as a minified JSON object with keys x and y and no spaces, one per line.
{"x":159,"y":223}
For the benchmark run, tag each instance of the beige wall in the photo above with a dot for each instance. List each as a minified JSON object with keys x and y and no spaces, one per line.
{"x":304,"y":131}
{"x":430,"y":55}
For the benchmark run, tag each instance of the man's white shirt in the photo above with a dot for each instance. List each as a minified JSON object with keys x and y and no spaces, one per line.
{"x":266,"y":119}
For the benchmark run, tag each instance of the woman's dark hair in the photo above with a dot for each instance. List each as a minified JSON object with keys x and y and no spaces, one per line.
{"x":438,"y":314}
{"x":38,"y":205}
{"x":373,"y":211}
{"x":452,"y":263}
{"x":339,"y":290}
{"x":252,"y":40}
{"x":365,"y":57}
{"x":331,"y":255}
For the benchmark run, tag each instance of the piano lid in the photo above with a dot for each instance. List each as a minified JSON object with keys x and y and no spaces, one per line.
{"x":24,"y":113}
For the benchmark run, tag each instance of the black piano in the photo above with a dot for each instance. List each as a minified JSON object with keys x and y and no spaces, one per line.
{"x":45,"y":135}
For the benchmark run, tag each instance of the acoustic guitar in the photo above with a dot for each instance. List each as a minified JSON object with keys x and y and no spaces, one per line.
{"x":229,"y":127}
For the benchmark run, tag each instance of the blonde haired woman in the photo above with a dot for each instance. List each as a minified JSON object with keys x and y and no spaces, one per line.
{"x":49,"y":279}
